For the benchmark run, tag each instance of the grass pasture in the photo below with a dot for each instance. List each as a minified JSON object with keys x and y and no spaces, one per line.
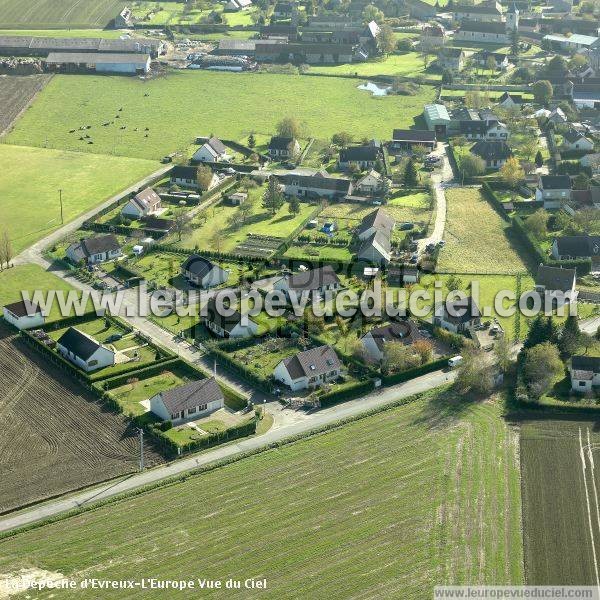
{"x":557,"y":527}
{"x":57,"y":14}
{"x":477,"y":239}
{"x":435,"y":501}
{"x":325,"y":105}
{"x":31,"y":178}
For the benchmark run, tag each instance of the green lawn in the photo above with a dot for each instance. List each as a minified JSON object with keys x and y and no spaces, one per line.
{"x":435,"y":501}
{"x":318,"y":251}
{"x":29,"y":188}
{"x":112,"y":34}
{"x":477,"y":239}
{"x":57,"y":13}
{"x":325,"y":105}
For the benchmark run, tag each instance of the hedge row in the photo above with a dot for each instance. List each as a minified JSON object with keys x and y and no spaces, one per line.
{"x":489,"y":194}
{"x":416,"y":372}
{"x":347,"y":393}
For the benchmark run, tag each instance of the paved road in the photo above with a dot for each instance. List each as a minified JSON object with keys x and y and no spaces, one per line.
{"x":312,"y":421}
{"x":590,"y":326}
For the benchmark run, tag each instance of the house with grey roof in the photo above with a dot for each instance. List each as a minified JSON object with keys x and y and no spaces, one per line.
{"x":309,"y":369}
{"x":202,"y":272}
{"x":188,"y":402}
{"x":374,"y":341}
{"x":365,"y":156}
{"x":585,"y":373}
{"x":556,"y":285}
{"x":84,"y":351}
{"x":457,"y":316}
{"x":283,"y":147}
{"x":437,"y":118}
{"x":94,"y":250}
{"x":213,"y":150}
{"x":145,"y":203}
{"x":309,"y":283}
{"x":573,"y":247}
{"x":494,"y":153}
{"x":575,"y":140}
{"x":227,"y":322}
{"x":553,"y":190}
{"x":378,"y":220}
{"x":319,"y":185}
{"x":23,"y":315}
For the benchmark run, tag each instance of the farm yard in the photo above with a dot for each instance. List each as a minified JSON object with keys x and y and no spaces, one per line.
{"x":555,"y":491}
{"x":15,"y":95}
{"x":70,"y":101}
{"x":455,"y":519}
{"x":31,"y":178}
{"x":56,"y":437}
{"x":57,"y":14}
{"x":477,"y":239}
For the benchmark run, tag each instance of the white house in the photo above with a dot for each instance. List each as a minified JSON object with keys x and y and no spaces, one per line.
{"x":553,"y":190}
{"x":557,"y":116}
{"x":556,"y":285}
{"x":508,"y":100}
{"x":585,"y":373}
{"x":187,"y":177}
{"x":457,"y":316}
{"x":202,"y":272}
{"x":377,"y":248}
{"x":228,"y":323}
{"x":84,"y":351}
{"x":574,"y":140}
{"x":191,"y":401}
{"x":211,"y":151}
{"x":147,"y":202}
{"x":319,"y":185}
{"x":23,"y":315}
{"x":237,"y":5}
{"x":94,"y":250}
{"x":374,"y":341}
{"x":309,"y":369}
{"x":378,"y":220}
{"x":370,"y":183}
{"x":308,"y":283}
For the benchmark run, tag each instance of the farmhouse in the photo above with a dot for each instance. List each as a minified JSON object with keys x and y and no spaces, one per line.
{"x":575,"y":41}
{"x":553,"y":190}
{"x":574,"y":140}
{"x":486,"y":126}
{"x":432,"y":36}
{"x":376,"y":249}
{"x":484,"y":58}
{"x":23,"y":315}
{"x":187,"y":402}
{"x":495,"y":154}
{"x":309,"y":369}
{"x":318,"y":185}
{"x":211,"y":151}
{"x":118,"y":63}
{"x":229,"y":325}
{"x":585,"y":373}
{"x":84,"y":351}
{"x":556,"y":284}
{"x":586,"y":95}
{"x":571,"y":247}
{"x":283,"y":147}
{"x":144,"y":203}
{"x":309,"y":53}
{"x":94,"y":250}
{"x":375,"y":341}
{"x":309,"y":283}
{"x":407,"y":139}
{"x":457,"y":316}
{"x":201,"y":272}
{"x":486,"y":32}
{"x":365,"y":157}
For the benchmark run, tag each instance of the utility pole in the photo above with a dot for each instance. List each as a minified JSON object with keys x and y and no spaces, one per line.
{"x":62,"y":221}
{"x":141,"y":432}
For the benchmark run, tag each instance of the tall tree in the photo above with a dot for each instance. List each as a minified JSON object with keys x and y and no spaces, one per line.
{"x":541,"y":368}
{"x":539,"y":159}
{"x":181,"y":224}
{"x":542,"y":91}
{"x":511,"y":172}
{"x":386,"y":39}
{"x":204,"y":177}
{"x":272,"y":197}
{"x":289,"y":127}
{"x":294,"y":205}
{"x":251,"y":140}
{"x":570,"y":336}
{"x":411,"y":176}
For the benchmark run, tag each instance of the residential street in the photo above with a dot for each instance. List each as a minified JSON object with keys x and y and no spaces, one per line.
{"x":305,"y":424}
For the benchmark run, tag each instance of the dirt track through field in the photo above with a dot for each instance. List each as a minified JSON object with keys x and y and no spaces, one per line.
{"x":55,"y":436}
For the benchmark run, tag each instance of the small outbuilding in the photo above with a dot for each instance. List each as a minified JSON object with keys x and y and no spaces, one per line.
{"x":23,"y":315}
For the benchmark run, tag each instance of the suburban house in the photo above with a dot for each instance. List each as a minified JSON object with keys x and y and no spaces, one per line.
{"x":585,"y":373}
{"x":308,"y":283}
{"x":553,"y":190}
{"x":365,"y":157}
{"x":187,"y":402}
{"x":146,"y":202}
{"x":452,"y":59}
{"x":187,"y":177}
{"x":495,"y":153}
{"x":572,"y":247}
{"x":23,"y":315}
{"x":84,"y":351}
{"x":319,"y":185}
{"x":228,"y":325}
{"x":485,"y":58}
{"x":375,"y":233}
{"x":309,"y":369}
{"x":283,"y":147}
{"x":406,"y":139}
{"x":237,"y":5}
{"x":374,"y":341}
{"x":484,"y":129}
{"x":458,"y":315}
{"x":94,"y":250}
{"x":212,"y":150}
{"x":586,"y":95}
{"x":369,"y":184}
{"x":202,"y":272}
{"x":378,"y":220}
{"x":556,"y":284}
{"x":508,"y":100}
{"x":574,"y":140}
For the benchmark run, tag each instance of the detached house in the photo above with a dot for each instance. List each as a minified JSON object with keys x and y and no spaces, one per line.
{"x":374,"y":342}
{"x":309,"y":283}
{"x":553,"y":190}
{"x":23,"y":315}
{"x":452,"y":59}
{"x":432,"y":36}
{"x":556,"y":285}
{"x":283,"y":147}
{"x":201,"y":272}
{"x":187,"y":402}
{"x":495,"y":154}
{"x":211,"y":151}
{"x":365,"y":157}
{"x":458,"y":315}
{"x":147,"y":202}
{"x":572,"y":247}
{"x":574,"y":140}
{"x":187,"y":177}
{"x":319,"y":185}
{"x":488,"y":12}
{"x":370,"y":184}
{"x":375,"y":233}
{"x":84,"y":351}
{"x":309,"y":369}
{"x":94,"y":250}
{"x":508,"y":100}
{"x":229,"y":325}
{"x":378,"y":220}
{"x":585,"y":373}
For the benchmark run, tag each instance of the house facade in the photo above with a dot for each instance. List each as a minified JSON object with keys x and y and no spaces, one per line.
{"x":553,"y":190}
{"x":457,"y":316}
{"x":94,"y":250}
{"x":201,"y":272}
{"x":283,"y":147}
{"x":212,"y":150}
{"x":556,"y":285}
{"x":309,"y":369}
{"x":318,"y":185}
{"x":309,"y":283}
{"x":375,"y":340}
{"x":146,"y":202}
{"x":228,"y":323}
{"x":84,"y":351}
{"x":365,"y":157}
{"x":585,"y":373}
{"x":23,"y":315}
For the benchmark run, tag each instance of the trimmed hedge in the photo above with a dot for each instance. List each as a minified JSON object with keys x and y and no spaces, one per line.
{"x":416,"y":372}
{"x":490,"y":196}
{"x":348,"y":393}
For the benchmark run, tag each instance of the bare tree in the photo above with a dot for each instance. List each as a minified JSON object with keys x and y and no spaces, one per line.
{"x":6,"y":250}
{"x":181,"y":224}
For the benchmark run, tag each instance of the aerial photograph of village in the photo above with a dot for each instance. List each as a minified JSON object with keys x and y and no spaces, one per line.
{"x":299,"y":299}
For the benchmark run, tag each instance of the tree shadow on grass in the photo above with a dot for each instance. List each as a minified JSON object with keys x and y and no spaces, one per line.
{"x":445,"y":409}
